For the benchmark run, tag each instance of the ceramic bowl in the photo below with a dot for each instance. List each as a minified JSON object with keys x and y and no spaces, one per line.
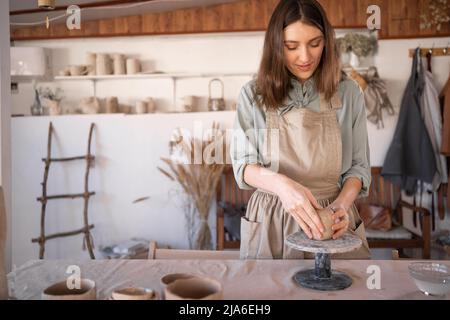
{"x":60,"y":291}
{"x":133,"y":293}
{"x":171,"y":277}
{"x":195,"y":288}
{"x":431,"y":278}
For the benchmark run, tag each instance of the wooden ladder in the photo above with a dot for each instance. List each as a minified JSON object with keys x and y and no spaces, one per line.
{"x":86,"y":195}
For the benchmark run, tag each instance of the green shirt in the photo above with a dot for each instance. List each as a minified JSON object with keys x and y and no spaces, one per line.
{"x":245,"y":145}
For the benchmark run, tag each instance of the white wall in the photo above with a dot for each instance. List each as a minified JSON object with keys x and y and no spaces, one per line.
{"x":128,"y":151}
{"x":5,"y":112}
{"x":193,"y":53}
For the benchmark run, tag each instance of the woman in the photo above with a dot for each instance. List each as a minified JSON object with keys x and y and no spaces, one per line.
{"x":300,"y":137}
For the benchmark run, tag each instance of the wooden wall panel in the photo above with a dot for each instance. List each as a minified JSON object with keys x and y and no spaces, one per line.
{"x":400,"y":19}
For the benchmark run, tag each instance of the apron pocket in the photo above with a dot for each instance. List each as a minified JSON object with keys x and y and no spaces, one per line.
{"x":250,"y":238}
{"x":363,"y":252}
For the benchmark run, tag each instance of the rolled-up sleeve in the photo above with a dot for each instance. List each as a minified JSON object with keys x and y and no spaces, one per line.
{"x":360,"y":167}
{"x":244,"y":141}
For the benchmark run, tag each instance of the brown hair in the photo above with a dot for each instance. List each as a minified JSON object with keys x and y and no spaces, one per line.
{"x":273,"y":79}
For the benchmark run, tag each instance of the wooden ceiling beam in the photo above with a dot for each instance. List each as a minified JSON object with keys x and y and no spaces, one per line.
{"x":84,"y":5}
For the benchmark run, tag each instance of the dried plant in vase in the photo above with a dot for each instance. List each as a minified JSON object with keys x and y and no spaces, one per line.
{"x":53,"y":98}
{"x":197,"y":164}
{"x":357,"y":45}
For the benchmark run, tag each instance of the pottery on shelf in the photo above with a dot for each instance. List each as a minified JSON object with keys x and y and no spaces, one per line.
{"x":133,"y":66}
{"x":54,"y":107}
{"x":119,"y":66}
{"x":216,"y":104}
{"x":124,"y":108}
{"x":141,"y":107}
{"x":91,"y":62}
{"x":90,"y":105}
{"x":103,"y":64}
{"x":151,"y":105}
{"x":190,"y":103}
{"x":79,"y":70}
{"x":112,"y":105}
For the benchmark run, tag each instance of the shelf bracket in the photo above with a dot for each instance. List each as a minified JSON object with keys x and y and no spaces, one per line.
{"x":94,"y":86}
{"x":174,"y":99}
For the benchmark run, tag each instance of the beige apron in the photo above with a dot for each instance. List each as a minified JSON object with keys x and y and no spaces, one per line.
{"x":310,"y":152}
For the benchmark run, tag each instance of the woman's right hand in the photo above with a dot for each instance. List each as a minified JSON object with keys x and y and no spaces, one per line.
{"x":301,"y":204}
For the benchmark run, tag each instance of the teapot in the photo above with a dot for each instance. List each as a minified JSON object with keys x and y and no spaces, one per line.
{"x":216,"y":104}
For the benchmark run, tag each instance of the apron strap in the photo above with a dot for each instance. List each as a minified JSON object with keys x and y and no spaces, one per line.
{"x":272,"y":119}
{"x":334,"y":103}
{"x":272,"y":124}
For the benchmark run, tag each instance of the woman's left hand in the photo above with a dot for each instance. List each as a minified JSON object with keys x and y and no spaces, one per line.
{"x":341,"y":220}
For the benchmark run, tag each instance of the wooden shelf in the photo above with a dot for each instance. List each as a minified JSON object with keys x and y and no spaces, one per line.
{"x":157,"y":75}
{"x":151,"y":76}
{"x":128,"y":115}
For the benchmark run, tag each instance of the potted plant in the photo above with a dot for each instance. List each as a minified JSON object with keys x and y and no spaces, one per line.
{"x":52,"y":98}
{"x":357,"y":45}
{"x":197,"y":180}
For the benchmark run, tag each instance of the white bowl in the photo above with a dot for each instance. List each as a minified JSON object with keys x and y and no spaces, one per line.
{"x":431,"y":278}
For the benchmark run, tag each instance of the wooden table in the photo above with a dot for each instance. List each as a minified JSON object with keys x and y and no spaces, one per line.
{"x":241,"y":279}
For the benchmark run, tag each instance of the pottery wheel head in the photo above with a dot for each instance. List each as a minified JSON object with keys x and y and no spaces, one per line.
{"x":300,"y":241}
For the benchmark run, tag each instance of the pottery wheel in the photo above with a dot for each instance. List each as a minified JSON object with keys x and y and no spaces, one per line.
{"x":321,"y":277}
{"x":300,"y":241}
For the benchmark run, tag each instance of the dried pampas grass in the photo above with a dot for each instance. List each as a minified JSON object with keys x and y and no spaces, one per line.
{"x":197,"y":176}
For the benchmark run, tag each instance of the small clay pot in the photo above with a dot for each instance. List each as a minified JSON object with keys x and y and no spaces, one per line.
{"x":133,"y":293}
{"x":194,"y":289}
{"x":60,"y":291}
{"x":327,"y":221}
{"x":171,"y":277}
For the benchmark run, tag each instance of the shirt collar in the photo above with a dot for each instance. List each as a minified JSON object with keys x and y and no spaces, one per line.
{"x":299,"y":96}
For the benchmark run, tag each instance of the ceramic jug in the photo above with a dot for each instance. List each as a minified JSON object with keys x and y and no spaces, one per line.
{"x":216,"y":104}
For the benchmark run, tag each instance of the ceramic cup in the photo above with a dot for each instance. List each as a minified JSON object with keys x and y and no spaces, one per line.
{"x":60,"y":291}
{"x":78,"y":70}
{"x":141,"y":107}
{"x":151,"y":105}
{"x":103,"y":64}
{"x":190,"y":103}
{"x":54,"y":108}
{"x":90,"y":105}
{"x":133,"y":293}
{"x":119,"y":63}
{"x":112,"y":105}
{"x":133,"y":66}
{"x":196,"y":288}
{"x":91,"y":61}
{"x":65,"y":72}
